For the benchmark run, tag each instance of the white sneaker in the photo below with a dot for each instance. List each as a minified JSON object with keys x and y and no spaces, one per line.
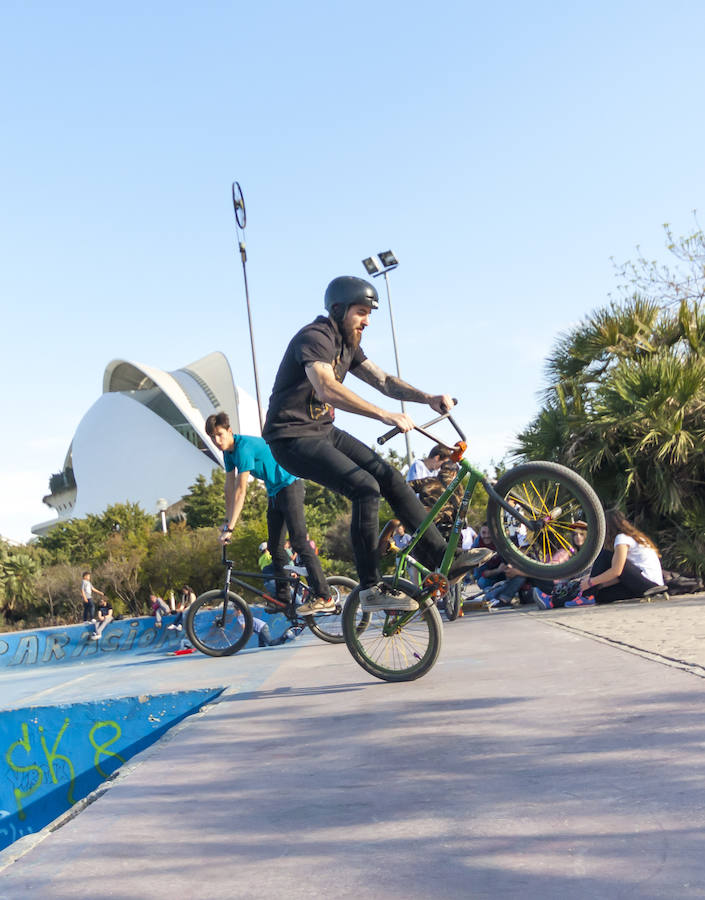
{"x":171,"y":627}
{"x":380,"y":597}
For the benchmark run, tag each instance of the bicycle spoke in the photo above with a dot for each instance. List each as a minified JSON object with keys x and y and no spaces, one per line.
{"x":398,"y":650}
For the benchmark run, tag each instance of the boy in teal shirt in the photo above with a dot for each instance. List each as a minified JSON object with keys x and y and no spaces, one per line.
{"x":244,"y":455}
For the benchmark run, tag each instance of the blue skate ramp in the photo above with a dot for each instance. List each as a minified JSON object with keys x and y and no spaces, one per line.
{"x":53,"y":756}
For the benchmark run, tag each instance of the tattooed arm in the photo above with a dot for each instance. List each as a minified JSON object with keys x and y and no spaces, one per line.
{"x":394,"y":387}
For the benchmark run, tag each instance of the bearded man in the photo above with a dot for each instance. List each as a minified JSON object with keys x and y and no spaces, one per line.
{"x":300,"y":432}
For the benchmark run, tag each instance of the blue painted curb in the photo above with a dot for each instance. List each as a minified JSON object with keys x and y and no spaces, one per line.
{"x":72,"y":643}
{"x":53,"y":756}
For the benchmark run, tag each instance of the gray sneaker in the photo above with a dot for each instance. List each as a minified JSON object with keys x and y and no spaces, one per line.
{"x":380,"y":597}
{"x":319,"y":605}
{"x":466,"y":561}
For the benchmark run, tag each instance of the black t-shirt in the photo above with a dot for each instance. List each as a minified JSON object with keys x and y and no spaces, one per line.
{"x":294,"y":408}
{"x":103,"y":609}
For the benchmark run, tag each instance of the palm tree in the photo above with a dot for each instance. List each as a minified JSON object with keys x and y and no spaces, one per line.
{"x":18,"y":573}
{"x":625,"y":407}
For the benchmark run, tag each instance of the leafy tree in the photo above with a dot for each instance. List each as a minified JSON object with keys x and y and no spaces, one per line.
{"x":183,"y":556}
{"x":119,"y":574}
{"x":73,"y":541}
{"x":394,"y":459}
{"x":337,"y":544}
{"x":18,"y":572}
{"x":84,"y":541}
{"x":58,"y":592}
{"x":323,"y":508}
{"x":205,"y":505}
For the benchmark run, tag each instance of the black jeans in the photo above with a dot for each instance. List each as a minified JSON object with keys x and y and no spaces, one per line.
{"x":339,"y":461}
{"x":631,"y":582}
{"x":285,"y":511}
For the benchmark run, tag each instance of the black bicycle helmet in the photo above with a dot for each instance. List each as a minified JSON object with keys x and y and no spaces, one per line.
{"x":346,"y":290}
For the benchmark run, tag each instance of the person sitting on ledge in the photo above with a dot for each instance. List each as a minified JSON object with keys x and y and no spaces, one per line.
{"x":627,"y":566}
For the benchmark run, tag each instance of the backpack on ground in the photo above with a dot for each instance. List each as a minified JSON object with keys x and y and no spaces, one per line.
{"x":565,"y":591}
{"x":679,"y":583}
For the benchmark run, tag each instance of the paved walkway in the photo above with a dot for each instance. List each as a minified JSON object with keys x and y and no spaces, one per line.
{"x":549,"y":755}
{"x":670,"y":630}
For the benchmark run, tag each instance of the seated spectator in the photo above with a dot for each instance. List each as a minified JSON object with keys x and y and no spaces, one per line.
{"x":631,"y":568}
{"x":509,"y":591}
{"x":517,"y":583}
{"x":504,"y":591}
{"x":516,"y":530}
{"x":187,"y":597}
{"x":467,"y":536}
{"x":429,"y":490}
{"x":296,"y":559}
{"x":400,"y":539}
{"x":265,"y":557}
{"x":427,"y":468}
{"x":264,"y":636}
{"x":103,"y":617}
{"x":542,"y":591}
{"x":627,"y":566}
{"x":159,"y":609}
{"x":493,"y":569}
{"x":267,"y":567}
{"x":398,"y":542}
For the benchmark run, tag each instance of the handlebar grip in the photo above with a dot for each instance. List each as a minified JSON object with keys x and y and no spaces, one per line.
{"x":388,"y":436}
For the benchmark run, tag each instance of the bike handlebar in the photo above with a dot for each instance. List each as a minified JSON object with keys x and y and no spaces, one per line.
{"x":393,"y":432}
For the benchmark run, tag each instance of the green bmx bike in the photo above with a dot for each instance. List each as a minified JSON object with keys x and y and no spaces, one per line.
{"x":541,"y":501}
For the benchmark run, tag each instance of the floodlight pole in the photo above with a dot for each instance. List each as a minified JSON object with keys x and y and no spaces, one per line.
{"x":240,"y":222}
{"x":407,"y":438}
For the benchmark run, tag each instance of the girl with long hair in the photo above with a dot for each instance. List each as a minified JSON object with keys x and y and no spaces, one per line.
{"x":627,"y":566}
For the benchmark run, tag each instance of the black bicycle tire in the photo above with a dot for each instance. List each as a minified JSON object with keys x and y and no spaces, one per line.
{"x":219,"y":651}
{"x":335,"y":637}
{"x":431,"y":618}
{"x":591,"y":511}
{"x":453,"y":602}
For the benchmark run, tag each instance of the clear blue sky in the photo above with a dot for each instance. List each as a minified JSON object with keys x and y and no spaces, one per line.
{"x":504,"y":154}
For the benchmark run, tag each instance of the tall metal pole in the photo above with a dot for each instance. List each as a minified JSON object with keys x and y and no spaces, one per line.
{"x":409,"y":455}
{"x":243,"y":254}
{"x":240,"y":222}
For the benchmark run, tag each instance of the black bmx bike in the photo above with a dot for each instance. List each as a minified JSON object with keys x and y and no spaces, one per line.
{"x":545,"y":501}
{"x":220,"y":622}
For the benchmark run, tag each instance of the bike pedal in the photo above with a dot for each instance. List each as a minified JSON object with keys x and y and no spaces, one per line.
{"x":434,"y":582}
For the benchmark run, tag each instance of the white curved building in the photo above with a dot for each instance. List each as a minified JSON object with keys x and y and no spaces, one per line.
{"x":145,"y":438}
